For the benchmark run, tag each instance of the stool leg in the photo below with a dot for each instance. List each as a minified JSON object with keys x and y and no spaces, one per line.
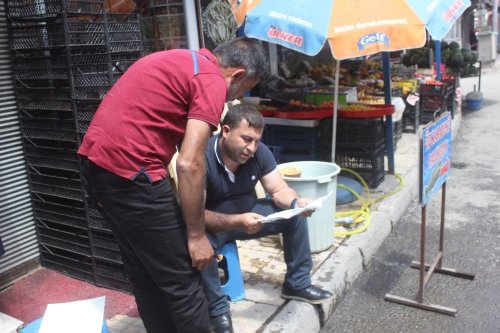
{"x":234,"y":287}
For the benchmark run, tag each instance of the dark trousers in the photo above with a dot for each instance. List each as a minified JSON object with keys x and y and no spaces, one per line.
{"x":296,"y":250}
{"x":147,"y":222}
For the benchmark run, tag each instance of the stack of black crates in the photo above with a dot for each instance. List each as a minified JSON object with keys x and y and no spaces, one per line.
{"x":360,"y":147}
{"x":435,"y":99}
{"x":66,"y":55}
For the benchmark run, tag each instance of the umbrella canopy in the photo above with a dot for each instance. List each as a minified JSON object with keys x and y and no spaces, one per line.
{"x":353,"y":28}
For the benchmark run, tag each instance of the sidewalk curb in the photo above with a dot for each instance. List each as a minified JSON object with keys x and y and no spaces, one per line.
{"x":341,"y":269}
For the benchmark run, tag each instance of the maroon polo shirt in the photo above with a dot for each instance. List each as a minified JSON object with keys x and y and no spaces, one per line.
{"x":143,"y":117}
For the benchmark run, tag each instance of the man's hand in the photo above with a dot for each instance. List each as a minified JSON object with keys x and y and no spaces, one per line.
{"x":302,"y":202}
{"x":201,"y":252}
{"x":250,"y":222}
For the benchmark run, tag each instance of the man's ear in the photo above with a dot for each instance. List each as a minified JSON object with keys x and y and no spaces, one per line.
{"x":238,"y":74}
{"x":225,"y":129}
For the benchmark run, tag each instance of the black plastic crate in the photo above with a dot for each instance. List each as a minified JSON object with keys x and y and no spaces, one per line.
{"x":451,"y":83}
{"x":51,"y":262}
{"x":111,"y":283}
{"x":85,"y":111}
{"x":111,"y":275}
{"x":61,"y":219}
{"x":95,"y":219}
{"x":56,"y":200}
{"x":451,"y":104}
{"x":124,"y":33}
{"x":59,"y":119}
{"x":35,"y":102}
{"x":90,"y":93}
{"x":360,"y":132}
{"x":43,"y":9}
{"x":428,"y":116}
{"x":105,"y":246}
{"x":71,"y":264}
{"x":90,"y":76}
{"x":61,"y":236}
{"x":57,"y":178}
{"x":411,"y":118}
{"x":397,"y":131}
{"x":49,"y":35}
{"x":122,"y":61}
{"x":72,"y":194}
{"x":369,"y":165}
{"x":53,"y":68}
{"x":293,"y":156}
{"x":431,"y":103}
{"x":76,"y":211}
{"x":49,"y":124}
{"x":56,"y":135}
{"x":60,"y":159}
{"x":433,"y":89}
{"x":294,"y":139}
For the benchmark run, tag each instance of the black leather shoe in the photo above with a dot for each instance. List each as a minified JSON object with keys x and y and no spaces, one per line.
{"x":221,"y":324}
{"x":311,"y":294}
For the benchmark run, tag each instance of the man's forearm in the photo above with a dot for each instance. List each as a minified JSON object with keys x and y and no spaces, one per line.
{"x":216,"y":222}
{"x":284,"y":198}
{"x":192,"y":200}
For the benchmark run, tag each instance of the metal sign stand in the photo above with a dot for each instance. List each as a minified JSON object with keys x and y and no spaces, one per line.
{"x":436,"y":266}
{"x":435,"y":146}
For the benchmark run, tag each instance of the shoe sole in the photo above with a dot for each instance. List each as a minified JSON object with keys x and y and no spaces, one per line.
{"x":301,"y":299}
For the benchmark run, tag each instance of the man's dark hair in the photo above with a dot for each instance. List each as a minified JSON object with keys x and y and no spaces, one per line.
{"x":243,"y":52}
{"x":238,"y":112}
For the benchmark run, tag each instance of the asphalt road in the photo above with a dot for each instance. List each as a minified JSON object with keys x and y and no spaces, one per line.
{"x":471,"y":243}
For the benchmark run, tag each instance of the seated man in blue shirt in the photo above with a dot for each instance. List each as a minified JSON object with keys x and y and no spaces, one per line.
{"x":235,"y":162}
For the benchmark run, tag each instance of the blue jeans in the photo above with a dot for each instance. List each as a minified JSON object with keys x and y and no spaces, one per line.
{"x":296,"y":250}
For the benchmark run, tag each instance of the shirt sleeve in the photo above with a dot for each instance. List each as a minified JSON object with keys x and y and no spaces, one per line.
{"x":266,"y":160}
{"x":208,"y":95}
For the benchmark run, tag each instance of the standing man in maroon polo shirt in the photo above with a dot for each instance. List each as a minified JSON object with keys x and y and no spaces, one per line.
{"x":165,"y":100}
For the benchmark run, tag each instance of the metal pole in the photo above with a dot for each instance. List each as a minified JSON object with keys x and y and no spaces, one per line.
{"x":422,"y":257}
{"x":437,"y":58}
{"x":389,"y":136}
{"x":335,"y":108}
{"x":495,"y":23}
{"x":443,"y":208}
{"x":193,"y":38}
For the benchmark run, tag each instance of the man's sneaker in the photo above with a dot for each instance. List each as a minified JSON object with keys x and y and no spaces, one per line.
{"x":311,"y":294}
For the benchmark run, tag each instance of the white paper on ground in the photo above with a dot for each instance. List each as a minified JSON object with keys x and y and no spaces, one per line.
{"x":286,"y":214}
{"x":76,"y":317}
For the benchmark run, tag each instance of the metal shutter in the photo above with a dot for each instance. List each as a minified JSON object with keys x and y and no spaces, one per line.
{"x":17,"y":226}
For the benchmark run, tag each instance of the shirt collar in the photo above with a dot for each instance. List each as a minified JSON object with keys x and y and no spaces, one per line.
{"x":218,"y":155}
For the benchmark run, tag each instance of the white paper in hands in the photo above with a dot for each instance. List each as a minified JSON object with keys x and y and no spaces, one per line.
{"x":286,"y":214}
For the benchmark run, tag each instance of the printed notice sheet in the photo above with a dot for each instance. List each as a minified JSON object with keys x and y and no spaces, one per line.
{"x":286,"y":214}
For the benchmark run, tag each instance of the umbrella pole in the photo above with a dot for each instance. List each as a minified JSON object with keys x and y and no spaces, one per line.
{"x":389,"y":136}
{"x":335,"y":107}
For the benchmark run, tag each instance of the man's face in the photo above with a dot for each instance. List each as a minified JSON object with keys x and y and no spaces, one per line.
{"x":238,"y":86}
{"x":240,"y":143}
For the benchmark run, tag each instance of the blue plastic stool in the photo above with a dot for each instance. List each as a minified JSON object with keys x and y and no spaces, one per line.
{"x":230,"y":264}
{"x":34,"y":326}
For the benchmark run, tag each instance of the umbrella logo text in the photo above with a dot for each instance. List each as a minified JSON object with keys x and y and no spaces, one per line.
{"x":453,"y":10}
{"x":373,"y":38}
{"x":288,"y":37}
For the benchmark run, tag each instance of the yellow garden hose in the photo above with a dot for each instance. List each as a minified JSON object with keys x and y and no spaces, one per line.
{"x":356,"y":221}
